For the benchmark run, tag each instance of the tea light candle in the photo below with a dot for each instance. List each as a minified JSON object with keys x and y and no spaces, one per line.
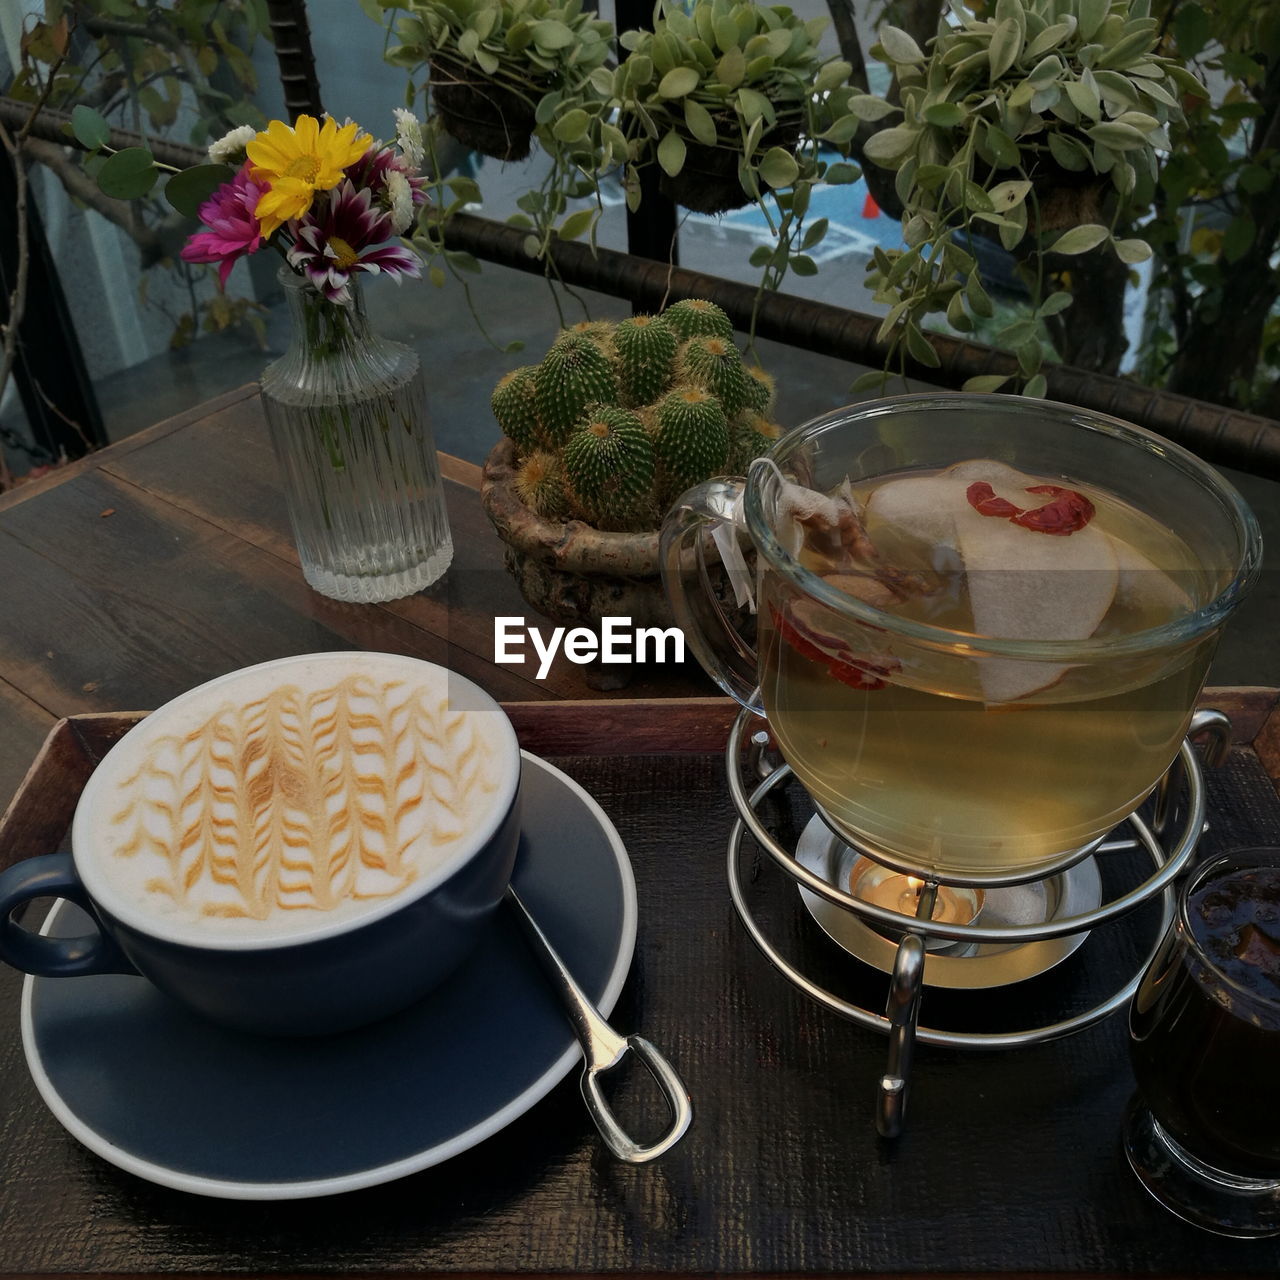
{"x":876,"y":884}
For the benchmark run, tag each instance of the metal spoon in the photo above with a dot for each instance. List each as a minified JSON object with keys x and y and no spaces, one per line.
{"x":603,"y":1048}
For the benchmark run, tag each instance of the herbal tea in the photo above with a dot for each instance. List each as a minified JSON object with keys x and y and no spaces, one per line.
{"x":961,"y":762}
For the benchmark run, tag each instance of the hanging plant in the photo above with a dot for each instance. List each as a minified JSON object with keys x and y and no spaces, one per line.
{"x":501,"y":75}
{"x":493,"y":63}
{"x":732,"y":101}
{"x":1038,"y":124}
{"x":720,"y":97}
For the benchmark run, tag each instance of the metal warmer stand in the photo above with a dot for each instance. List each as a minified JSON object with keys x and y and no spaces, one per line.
{"x":1168,"y":850}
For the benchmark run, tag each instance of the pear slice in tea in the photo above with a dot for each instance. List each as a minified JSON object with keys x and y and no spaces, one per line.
{"x":1026,"y":584}
{"x":1051,"y":575}
{"x":1146,"y":594}
{"x":999,"y":475}
{"x":912,"y":521}
{"x":863,"y":586}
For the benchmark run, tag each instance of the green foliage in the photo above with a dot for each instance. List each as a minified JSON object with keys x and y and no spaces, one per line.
{"x":533,"y":46}
{"x":178,"y":69}
{"x":739,"y":77}
{"x":1038,"y":124}
{"x":732,"y":102}
{"x":128,"y":174}
{"x":1215,"y":210}
{"x":617,"y":452}
{"x":739,"y":82}
{"x":188,"y":190}
{"x":90,"y":129}
{"x":542,"y":56}
{"x":144,"y":63}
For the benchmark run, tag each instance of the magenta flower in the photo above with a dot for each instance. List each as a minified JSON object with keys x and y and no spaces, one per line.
{"x":233,"y":228}
{"x":340,"y":237}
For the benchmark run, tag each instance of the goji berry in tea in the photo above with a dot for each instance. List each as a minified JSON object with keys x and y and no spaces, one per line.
{"x":1065,"y":513}
{"x":856,"y":672}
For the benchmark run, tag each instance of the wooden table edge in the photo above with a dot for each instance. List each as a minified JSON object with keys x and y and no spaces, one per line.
{"x":626,"y":726}
{"x":118,"y":448}
{"x":459,"y":470}
{"x":638,"y":1275}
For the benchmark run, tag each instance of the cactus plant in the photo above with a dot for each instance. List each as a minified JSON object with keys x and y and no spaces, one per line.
{"x":750,"y":436}
{"x":695,"y":318}
{"x":618,"y":419}
{"x":514,"y":405}
{"x":761,"y":391}
{"x":717,"y":365}
{"x":691,"y":436}
{"x":541,"y":485}
{"x":575,"y":373}
{"x":646,"y":348}
{"x":608,"y":462}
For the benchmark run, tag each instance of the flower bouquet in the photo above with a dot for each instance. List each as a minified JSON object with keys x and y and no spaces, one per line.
{"x":346,"y":408}
{"x":327,"y":196}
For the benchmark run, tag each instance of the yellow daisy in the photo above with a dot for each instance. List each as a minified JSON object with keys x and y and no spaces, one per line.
{"x":296,"y":163}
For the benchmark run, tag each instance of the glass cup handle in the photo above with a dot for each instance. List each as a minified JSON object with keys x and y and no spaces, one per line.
{"x":700,"y":516}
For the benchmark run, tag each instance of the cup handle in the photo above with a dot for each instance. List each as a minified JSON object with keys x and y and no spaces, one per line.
{"x":52,"y":876}
{"x":724,"y":654}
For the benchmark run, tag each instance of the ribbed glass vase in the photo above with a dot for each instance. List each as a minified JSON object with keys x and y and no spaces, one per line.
{"x":348,"y":417}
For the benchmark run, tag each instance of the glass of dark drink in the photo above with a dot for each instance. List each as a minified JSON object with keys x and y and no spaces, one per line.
{"x":1203,"y":1131}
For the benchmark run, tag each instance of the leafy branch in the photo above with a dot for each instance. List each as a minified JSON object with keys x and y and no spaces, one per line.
{"x":144,"y":65}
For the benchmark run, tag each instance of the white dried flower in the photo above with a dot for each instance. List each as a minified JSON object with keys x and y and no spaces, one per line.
{"x":400,"y":198}
{"x":229,"y":149}
{"x":409,"y":137}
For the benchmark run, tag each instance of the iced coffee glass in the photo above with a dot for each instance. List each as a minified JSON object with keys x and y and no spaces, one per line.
{"x":1203,"y":1131}
{"x":981,"y":621}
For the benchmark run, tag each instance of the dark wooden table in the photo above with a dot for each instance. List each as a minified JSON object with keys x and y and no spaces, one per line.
{"x":166,"y":560}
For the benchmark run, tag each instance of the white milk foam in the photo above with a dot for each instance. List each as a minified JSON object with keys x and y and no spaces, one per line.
{"x":298,"y":795}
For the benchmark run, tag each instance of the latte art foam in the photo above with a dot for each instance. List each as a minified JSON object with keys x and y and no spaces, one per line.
{"x":314,"y":797}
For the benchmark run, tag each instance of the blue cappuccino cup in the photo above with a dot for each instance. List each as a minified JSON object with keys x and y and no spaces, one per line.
{"x":297,"y":848}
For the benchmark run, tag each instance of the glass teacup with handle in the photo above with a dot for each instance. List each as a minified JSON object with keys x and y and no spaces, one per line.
{"x":982,"y":621}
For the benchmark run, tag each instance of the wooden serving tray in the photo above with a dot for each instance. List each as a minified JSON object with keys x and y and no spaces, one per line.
{"x":1010,"y":1162}
{"x":39,"y":816}
{"x":38,"y":819}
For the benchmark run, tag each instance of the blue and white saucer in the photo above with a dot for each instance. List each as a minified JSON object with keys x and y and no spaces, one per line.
{"x":163,"y":1094}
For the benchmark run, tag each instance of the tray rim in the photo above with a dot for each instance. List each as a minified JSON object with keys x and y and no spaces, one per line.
{"x":38,"y":816}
